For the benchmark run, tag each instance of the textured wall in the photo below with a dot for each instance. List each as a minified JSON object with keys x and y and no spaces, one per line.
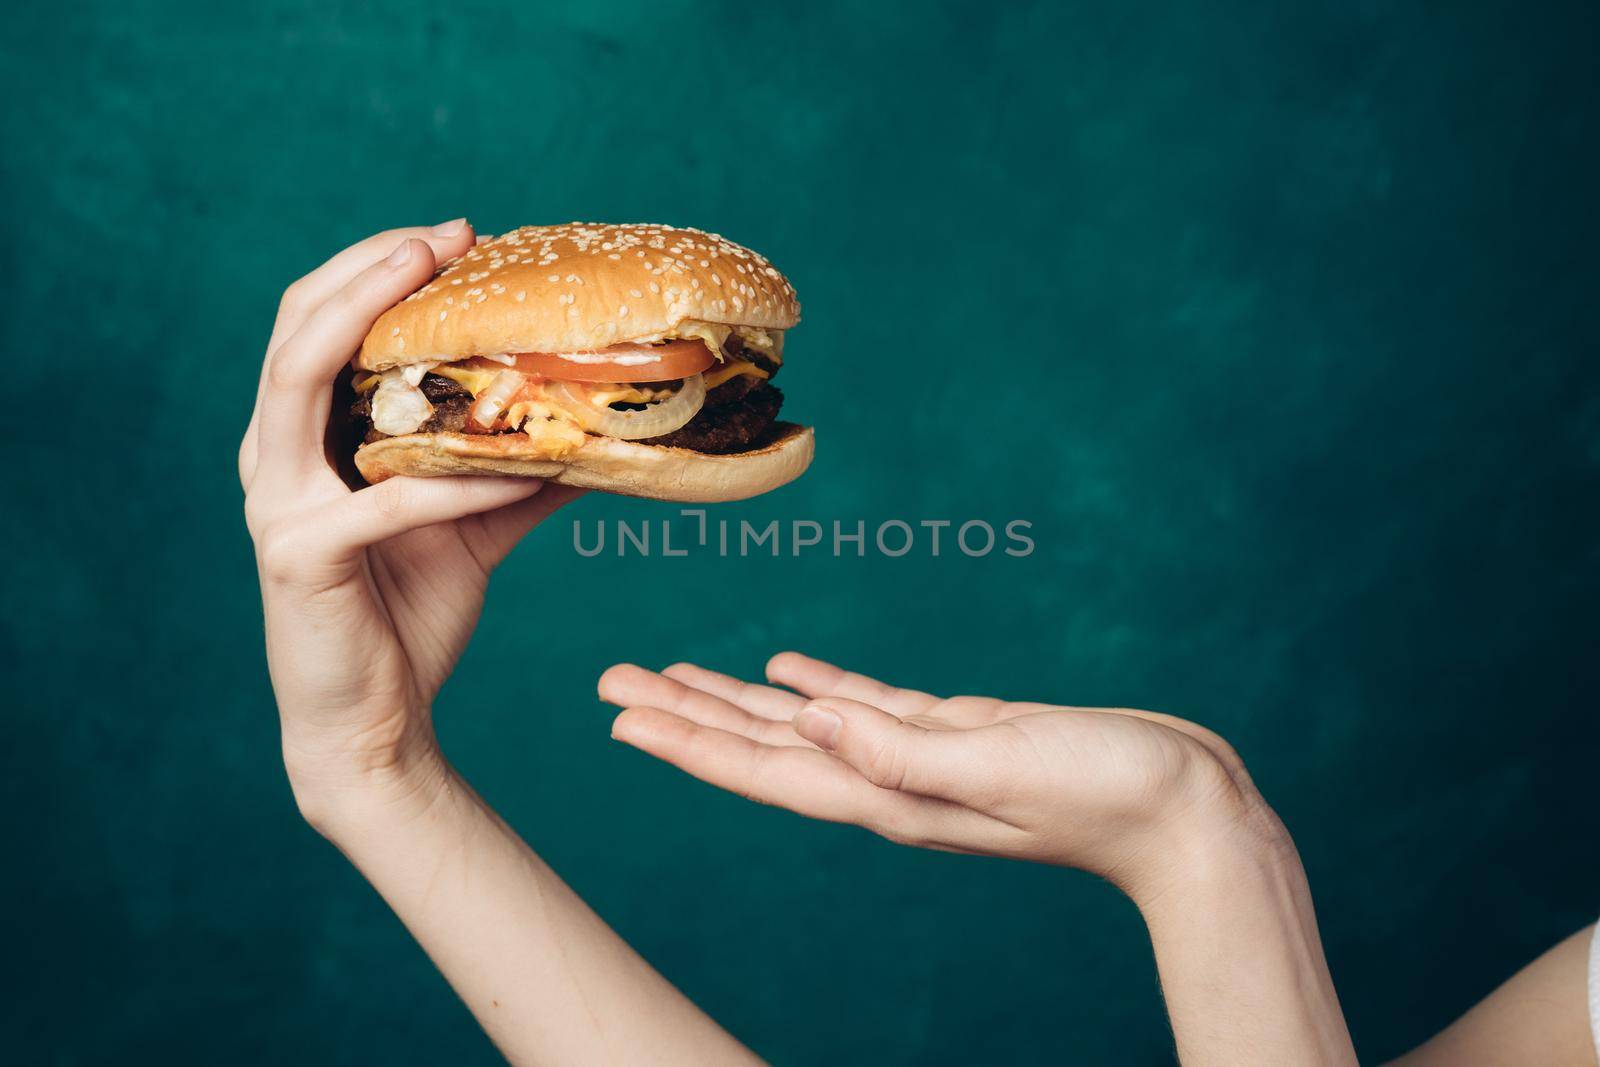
{"x":1277,"y":321}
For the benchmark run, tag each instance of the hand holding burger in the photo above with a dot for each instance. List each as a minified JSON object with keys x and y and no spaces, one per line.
{"x":371,"y":595}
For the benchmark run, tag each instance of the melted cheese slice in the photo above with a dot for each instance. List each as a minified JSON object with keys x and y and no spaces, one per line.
{"x":732,"y":370}
{"x":553,"y":430}
{"x":473,"y":379}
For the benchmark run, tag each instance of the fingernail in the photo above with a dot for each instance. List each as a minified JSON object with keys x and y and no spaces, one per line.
{"x":819,"y":726}
{"x":449,"y":229}
{"x":400,"y":256}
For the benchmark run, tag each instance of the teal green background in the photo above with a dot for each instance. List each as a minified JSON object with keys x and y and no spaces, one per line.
{"x":1277,"y":321}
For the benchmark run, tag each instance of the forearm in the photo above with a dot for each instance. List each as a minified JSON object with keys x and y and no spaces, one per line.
{"x":1236,"y":945}
{"x":1538,"y":1015}
{"x":546,"y":977}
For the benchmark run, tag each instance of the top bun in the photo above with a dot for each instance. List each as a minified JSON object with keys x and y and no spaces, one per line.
{"x":575,"y":288}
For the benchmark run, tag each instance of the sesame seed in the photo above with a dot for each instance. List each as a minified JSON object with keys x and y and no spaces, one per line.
{"x":521,"y":296}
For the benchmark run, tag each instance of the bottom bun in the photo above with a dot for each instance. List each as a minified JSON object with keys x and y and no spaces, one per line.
{"x":605,"y":463}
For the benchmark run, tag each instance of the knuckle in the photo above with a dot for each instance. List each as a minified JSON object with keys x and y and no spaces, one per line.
{"x":1219,"y":746}
{"x":1230,"y":755}
{"x":254,"y":519}
{"x":393,"y":498}
{"x":278,"y":555}
{"x":247,"y":458}
{"x":296,"y":299}
{"x":755,"y":796}
{"x":900,"y":828}
{"x":754,"y":787}
{"x":884,"y":764}
{"x":283,"y":370}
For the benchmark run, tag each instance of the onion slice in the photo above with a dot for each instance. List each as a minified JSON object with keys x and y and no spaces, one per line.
{"x":486,"y":409}
{"x":660,"y":417}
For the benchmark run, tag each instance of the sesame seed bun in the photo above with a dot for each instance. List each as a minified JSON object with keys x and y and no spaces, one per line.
{"x":578,"y":287}
{"x":626,"y":467}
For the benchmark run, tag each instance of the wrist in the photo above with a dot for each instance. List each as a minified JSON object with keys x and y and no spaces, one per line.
{"x":1236,"y":945}
{"x":1209,"y":846}
{"x":340,"y":787}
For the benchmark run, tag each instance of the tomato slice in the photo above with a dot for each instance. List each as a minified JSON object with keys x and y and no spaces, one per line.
{"x":621,"y":363}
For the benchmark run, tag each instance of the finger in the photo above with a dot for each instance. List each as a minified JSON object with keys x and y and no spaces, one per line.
{"x":892,"y":754}
{"x":803,"y":780}
{"x":769,"y":702}
{"x":492,"y":535}
{"x":626,"y":685}
{"x":398,"y":505}
{"x":447,"y":240}
{"x":816,"y":678}
{"x":294,"y":408}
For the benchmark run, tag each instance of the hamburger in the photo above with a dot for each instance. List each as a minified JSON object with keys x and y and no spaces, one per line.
{"x":633,"y":359}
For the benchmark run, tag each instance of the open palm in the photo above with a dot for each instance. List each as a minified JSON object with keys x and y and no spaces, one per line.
{"x":1081,"y":787}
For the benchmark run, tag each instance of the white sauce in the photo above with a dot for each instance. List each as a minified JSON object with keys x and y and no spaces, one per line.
{"x":637,"y":359}
{"x":413,"y":374}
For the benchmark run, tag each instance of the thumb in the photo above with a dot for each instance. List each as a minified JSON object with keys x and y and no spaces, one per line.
{"x":889,"y":752}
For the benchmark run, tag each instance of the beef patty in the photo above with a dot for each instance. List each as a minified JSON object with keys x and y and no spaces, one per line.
{"x":735,"y":415}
